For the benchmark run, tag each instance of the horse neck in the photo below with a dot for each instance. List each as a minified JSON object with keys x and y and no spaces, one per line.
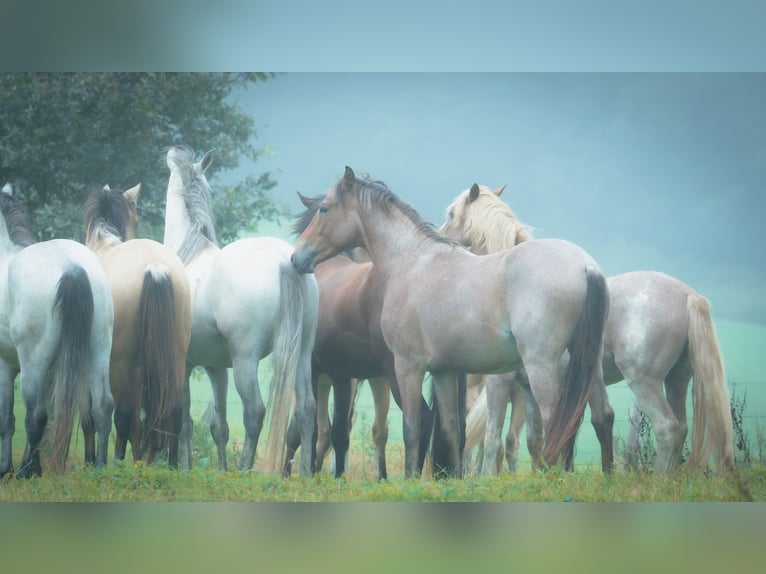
{"x":392,"y":241}
{"x":99,"y":240}
{"x":177,"y":222}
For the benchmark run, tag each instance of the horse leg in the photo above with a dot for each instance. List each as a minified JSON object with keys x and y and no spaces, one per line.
{"x":219,"y":427}
{"x":101,"y":404}
{"x":667,"y":430}
{"x":323,"y":387}
{"x":187,"y":425}
{"x":518,"y":417}
{"x":340,"y":426}
{"x":34,"y":386}
{"x":306,"y":406}
{"x":676,"y":389}
{"x":410,"y":382}
{"x":545,"y":387}
{"x":446,"y":396}
{"x":381,"y":397}
{"x":253,"y":407}
{"x":88,"y":432}
{"x":602,"y":419}
{"x":535,"y":429}
{"x":497,"y":404}
{"x":7,"y":419}
{"x":292,"y":442}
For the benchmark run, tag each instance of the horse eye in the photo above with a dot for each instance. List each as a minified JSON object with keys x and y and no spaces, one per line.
{"x":323,"y":209}
{"x":450,"y":215}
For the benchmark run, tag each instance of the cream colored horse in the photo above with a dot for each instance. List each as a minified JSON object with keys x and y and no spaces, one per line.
{"x":659,"y":332}
{"x":152,"y":326}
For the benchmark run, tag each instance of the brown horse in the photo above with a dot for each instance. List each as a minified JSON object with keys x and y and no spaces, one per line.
{"x":659,"y":332}
{"x":349,"y":345}
{"x":447,"y":311}
{"x":152,"y":326}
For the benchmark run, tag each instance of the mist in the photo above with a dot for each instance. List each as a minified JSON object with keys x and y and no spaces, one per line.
{"x":645,"y":171}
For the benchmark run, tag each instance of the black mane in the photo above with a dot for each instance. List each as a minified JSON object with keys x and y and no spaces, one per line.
{"x":106,"y":209}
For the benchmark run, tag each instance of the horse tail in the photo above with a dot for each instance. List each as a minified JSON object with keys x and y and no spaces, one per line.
{"x":476,"y":421}
{"x":285,"y":353}
{"x":580,"y":376}
{"x":156,"y":327}
{"x":74,"y":302}
{"x":713,"y":428}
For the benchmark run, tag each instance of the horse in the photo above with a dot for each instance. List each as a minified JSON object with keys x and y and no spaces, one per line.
{"x":349,"y":345}
{"x":152,"y":326}
{"x":247,"y":302}
{"x":659,"y":332}
{"x":56,"y":320}
{"x":447,"y":311}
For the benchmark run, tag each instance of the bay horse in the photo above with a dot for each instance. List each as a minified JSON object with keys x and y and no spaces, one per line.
{"x":659,"y":332}
{"x":447,"y":311}
{"x":56,"y":320}
{"x":152,"y":326}
{"x":247,"y":302}
{"x":349,"y":346}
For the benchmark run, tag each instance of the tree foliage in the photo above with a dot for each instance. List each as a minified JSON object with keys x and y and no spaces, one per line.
{"x":62,"y":135}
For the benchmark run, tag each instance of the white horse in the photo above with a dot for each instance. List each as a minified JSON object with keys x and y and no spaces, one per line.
{"x":56,"y":320}
{"x":659,"y":332}
{"x":247,"y":302}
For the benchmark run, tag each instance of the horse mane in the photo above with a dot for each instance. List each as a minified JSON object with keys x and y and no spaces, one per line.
{"x":303,"y":219}
{"x":490,"y":225}
{"x":16,"y":221}
{"x":106,"y":215}
{"x":376,"y":196}
{"x":198,"y":201}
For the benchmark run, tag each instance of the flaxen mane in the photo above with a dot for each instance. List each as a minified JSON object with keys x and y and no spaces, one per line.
{"x":198,"y":199}
{"x":488,"y":222}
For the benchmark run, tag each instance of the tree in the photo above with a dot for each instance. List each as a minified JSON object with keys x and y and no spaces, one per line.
{"x":62,"y":135}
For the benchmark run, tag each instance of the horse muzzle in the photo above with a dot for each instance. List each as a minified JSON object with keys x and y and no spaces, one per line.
{"x":303,"y":260}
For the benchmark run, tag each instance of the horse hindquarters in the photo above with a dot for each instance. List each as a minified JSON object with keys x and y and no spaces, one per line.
{"x":583,"y":372}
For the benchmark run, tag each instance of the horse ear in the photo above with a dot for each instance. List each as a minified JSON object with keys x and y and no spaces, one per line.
{"x":307,"y":202}
{"x":348,"y":176}
{"x":106,"y":188}
{"x":473,"y":194}
{"x":132,"y":193}
{"x":204,"y":163}
{"x":499,"y":190}
{"x":8,"y":189}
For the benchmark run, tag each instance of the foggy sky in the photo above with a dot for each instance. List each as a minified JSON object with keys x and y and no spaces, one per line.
{"x":645,"y":171}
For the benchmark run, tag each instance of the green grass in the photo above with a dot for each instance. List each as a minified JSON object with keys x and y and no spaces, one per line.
{"x":134,"y":482}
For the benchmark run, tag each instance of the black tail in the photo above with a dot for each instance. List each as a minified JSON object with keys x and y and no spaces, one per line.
{"x":580,"y":374}
{"x":74,"y":303}
{"x":160,"y":395}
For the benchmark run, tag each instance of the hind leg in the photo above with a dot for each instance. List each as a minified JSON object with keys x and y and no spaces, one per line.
{"x":219,"y":427}
{"x":667,"y":430}
{"x":602,"y":419}
{"x":253,"y":407}
{"x":187,"y":425}
{"x":545,"y":388}
{"x":101,"y":406}
{"x":33,"y":389}
{"x":306,"y":407}
{"x":7,"y":418}
{"x":535,"y":432}
{"x":676,"y":390}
